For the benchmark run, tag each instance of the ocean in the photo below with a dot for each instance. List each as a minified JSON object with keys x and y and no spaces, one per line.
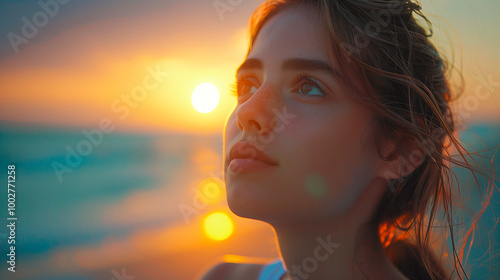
{"x":72,"y":192}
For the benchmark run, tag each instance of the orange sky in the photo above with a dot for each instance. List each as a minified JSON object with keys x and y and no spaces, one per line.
{"x":72,"y":78}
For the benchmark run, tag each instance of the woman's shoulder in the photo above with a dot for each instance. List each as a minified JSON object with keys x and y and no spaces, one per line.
{"x":243,"y":271}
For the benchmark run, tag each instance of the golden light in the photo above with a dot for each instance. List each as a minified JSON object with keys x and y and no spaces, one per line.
{"x":211,"y":191}
{"x":205,"y":98}
{"x":218,"y":226}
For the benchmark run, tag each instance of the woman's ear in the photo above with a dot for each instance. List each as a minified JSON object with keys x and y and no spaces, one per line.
{"x":405,"y":155}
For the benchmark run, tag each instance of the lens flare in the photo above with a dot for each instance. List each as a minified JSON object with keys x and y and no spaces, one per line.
{"x":211,"y":191}
{"x":218,"y":226}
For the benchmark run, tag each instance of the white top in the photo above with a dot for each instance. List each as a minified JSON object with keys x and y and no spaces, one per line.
{"x":272,"y":271}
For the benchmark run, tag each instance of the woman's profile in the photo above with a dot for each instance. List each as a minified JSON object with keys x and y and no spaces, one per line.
{"x":340,"y":140}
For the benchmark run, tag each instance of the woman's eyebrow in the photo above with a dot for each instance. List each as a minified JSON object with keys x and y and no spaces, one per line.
{"x":292,"y":64}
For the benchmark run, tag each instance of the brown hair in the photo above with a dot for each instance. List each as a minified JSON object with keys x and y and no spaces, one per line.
{"x":401,"y":77}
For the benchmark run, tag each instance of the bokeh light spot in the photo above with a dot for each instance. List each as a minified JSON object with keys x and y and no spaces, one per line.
{"x":211,"y":191}
{"x":218,"y":226}
{"x":315,"y":185}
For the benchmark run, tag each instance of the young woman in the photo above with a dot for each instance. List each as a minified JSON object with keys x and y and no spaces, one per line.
{"x":339,"y":141}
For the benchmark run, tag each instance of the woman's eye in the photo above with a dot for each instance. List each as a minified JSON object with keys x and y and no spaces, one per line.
{"x":310,"y":88}
{"x":246,"y":87}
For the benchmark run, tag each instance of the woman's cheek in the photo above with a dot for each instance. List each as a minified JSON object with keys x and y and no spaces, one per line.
{"x":231,"y":128}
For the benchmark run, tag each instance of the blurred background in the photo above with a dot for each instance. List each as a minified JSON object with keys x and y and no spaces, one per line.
{"x":112,"y":113}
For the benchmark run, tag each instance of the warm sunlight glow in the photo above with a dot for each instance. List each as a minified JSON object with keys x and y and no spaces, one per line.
{"x":205,"y":98}
{"x":218,"y":226}
{"x":211,"y":191}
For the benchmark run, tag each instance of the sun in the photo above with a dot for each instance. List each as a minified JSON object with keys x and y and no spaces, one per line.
{"x":218,"y":226}
{"x":205,"y":98}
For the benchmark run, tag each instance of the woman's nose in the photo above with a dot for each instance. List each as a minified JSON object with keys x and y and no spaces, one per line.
{"x":256,"y":114}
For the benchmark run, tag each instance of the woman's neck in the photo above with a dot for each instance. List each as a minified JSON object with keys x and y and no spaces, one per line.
{"x":343,"y":251}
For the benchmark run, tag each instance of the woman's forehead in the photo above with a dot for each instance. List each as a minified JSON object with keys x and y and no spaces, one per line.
{"x":293,"y":32}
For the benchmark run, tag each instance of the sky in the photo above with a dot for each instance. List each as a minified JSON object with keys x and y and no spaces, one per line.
{"x":81,"y":61}
{"x":91,"y":53}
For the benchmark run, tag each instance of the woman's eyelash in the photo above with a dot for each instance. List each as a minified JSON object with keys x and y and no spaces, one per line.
{"x":305,"y":77}
{"x":234,"y":86}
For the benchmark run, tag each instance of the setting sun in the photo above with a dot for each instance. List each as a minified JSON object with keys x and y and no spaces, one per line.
{"x":218,"y":226}
{"x":205,"y":98}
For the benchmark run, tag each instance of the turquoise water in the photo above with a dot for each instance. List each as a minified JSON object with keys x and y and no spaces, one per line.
{"x":54,"y":213}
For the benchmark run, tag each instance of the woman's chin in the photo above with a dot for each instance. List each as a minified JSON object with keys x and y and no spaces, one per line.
{"x":246,"y":208}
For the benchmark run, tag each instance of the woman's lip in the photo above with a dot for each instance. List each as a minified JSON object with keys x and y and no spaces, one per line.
{"x":247,"y":150}
{"x":247,"y":165}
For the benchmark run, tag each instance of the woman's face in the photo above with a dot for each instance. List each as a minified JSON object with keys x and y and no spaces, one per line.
{"x":291,"y":106}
